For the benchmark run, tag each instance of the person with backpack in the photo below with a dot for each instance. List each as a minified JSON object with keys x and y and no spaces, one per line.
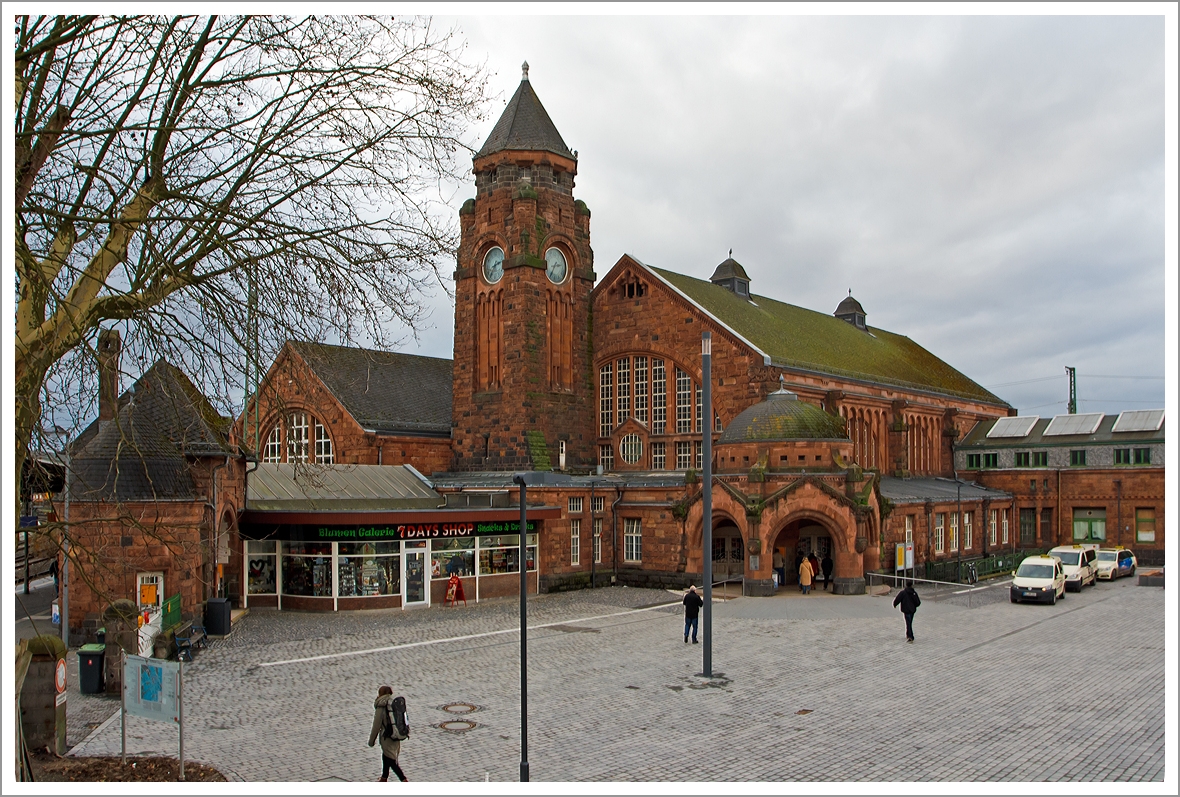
{"x":389,"y":722}
{"x":909,"y":602}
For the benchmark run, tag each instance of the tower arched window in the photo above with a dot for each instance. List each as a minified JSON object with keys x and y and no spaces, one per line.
{"x":299,"y":437}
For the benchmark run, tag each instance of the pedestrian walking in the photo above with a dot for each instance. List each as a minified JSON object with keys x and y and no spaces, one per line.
{"x":799,"y":557}
{"x":390,"y":746}
{"x":805,"y":576}
{"x":826,"y":565}
{"x":811,"y":557}
{"x":692,"y":609}
{"x":909,"y":602}
{"x":55,"y":571}
{"x":780,"y":566}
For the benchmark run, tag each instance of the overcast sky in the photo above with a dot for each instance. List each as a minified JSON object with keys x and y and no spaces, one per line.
{"x":992,"y":187}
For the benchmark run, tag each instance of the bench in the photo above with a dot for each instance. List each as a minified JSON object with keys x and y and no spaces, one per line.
{"x":189,"y":636}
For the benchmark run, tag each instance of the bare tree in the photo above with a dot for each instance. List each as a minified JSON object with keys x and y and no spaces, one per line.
{"x":215,"y":185}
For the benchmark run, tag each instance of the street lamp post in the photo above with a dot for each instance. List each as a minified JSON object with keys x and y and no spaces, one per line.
{"x":65,"y":558}
{"x":958,"y":529}
{"x":707,"y":495}
{"x":519,"y":479}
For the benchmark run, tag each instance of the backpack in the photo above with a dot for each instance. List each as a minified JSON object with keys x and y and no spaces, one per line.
{"x":397,"y":727}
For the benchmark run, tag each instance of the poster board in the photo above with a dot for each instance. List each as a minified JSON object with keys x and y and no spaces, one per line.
{"x":151,"y":688}
{"x":455,"y":591}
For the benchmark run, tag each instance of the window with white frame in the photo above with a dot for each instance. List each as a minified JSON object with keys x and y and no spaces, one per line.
{"x":297,"y":437}
{"x":641,"y":388}
{"x":698,"y":454}
{"x":606,"y":400}
{"x":683,"y":403}
{"x":575,"y":505}
{"x":623,"y":388}
{"x":606,"y":457}
{"x":273,"y":450}
{"x":991,"y":526}
{"x":954,"y":531}
{"x":683,"y":455}
{"x":659,"y":456}
{"x":597,"y":504}
{"x":631,"y":448}
{"x":632,"y":540}
{"x":700,"y":410}
{"x":323,"y":445}
{"x":939,"y":533}
{"x":967,"y":531}
{"x":1004,"y":527}
{"x":575,"y":541}
{"x":597,"y":540}
{"x":909,"y":529}
{"x":659,"y":397}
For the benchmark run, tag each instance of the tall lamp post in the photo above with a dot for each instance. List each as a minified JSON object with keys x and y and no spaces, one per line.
{"x":519,"y":479}
{"x":707,"y":494}
{"x":958,"y":518}
{"x":65,"y":558}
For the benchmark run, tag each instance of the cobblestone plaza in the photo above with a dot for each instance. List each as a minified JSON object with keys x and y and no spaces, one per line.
{"x":817,"y":688}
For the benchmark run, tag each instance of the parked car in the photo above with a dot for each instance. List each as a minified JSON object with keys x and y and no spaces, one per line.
{"x":1039,"y":578}
{"x":1115,"y":562}
{"x":1078,"y":562}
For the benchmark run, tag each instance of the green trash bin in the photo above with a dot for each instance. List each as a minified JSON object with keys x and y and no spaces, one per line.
{"x":90,"y":670}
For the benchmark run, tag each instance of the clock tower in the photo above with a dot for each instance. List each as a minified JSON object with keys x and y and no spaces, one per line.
{"x":522,"y":382}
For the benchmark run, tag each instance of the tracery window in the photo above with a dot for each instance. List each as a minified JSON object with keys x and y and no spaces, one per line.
{"x":297,"y":438}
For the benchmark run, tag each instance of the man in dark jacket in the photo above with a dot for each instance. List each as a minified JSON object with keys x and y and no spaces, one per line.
{"x":692,"y":607}
{"x":909,"y":602}
{"x":826,"y":565}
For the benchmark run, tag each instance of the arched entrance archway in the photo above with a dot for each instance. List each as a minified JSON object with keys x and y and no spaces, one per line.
{"x":729,"y":551}
{"x":798,"y":539}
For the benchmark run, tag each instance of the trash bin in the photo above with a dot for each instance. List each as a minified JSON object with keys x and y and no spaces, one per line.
{"x":217,"y":617}
{"x":90,"y":659}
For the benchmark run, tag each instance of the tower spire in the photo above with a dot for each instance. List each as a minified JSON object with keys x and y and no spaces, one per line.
{"x":524,"y":71}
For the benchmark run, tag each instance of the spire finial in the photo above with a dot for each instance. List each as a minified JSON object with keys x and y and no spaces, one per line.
{"x":524,"y":71}
{"x":731,"y":253}
{"x":850,"y":291}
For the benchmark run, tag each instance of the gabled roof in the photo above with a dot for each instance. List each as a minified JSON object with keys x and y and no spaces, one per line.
{"x":142,"y":454}
{"x":936,"y":490}
{"x":525,"y":125}
{"x":792,"y":337}
{"x":385,"y":391}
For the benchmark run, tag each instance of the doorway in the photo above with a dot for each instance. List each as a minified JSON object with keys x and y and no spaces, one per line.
{"x":729,"y":553}
{"x":414,"y":575}
{"x":798,"y":540}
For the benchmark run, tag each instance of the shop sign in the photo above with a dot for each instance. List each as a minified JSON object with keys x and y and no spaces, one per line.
{"x":423,"y":531}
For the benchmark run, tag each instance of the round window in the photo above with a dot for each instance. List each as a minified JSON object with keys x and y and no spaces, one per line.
{"x":493,"y":265}
{"x":631,"y":448}
{"x":555,"y":265}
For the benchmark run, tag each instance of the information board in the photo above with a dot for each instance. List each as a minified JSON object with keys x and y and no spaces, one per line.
{"x":151,"y":688}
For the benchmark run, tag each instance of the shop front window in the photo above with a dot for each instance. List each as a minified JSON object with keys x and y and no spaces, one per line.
{"x":307,"y":569}
{"x":260,"y":567}
{"x":455,"y":556}
{"x":502,"y":554}
{"x":369,"y":568}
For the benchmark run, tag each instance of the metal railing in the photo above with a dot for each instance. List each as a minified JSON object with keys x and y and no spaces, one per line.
{"x":952,"y":570}
{"x":887,"y":584}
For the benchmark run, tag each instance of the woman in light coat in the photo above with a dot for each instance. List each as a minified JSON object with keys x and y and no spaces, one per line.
{"x":805,"y":575}
{"x":390,"y":747}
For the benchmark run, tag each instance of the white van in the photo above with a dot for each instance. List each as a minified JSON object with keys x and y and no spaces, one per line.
{"x":1039,"y":578}
{"x":1079,"y":563}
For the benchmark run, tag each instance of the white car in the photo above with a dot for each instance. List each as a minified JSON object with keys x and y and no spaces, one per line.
{"x":1040,"y":579}
{"x":1115,"y":562}
{"x":1078,"y":562}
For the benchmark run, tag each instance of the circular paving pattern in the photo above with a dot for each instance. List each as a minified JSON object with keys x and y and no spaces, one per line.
{"x":456,"y":726}
{"x":459,"y":708}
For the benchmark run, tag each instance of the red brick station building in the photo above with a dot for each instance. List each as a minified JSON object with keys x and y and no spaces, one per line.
{"x":363,"y":479}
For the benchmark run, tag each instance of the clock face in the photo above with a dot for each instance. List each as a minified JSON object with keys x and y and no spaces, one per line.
{"x":493,"y":265}
{"x":555,"y":265}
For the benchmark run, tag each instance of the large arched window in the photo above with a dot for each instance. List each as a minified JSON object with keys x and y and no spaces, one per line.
{"x":306,"y":437}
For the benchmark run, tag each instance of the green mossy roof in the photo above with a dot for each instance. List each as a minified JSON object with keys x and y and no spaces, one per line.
{"x":799,"y":338}
{"x":783,"y":417}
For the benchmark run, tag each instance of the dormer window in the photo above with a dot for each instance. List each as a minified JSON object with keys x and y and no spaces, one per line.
{"x":731,"y":276}
{"x":851,"y":311}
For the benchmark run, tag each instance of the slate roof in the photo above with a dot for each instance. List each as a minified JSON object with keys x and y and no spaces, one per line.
{"x":781,"y":416}
{"x":385,"y":391}
{"x":977,"y":438}
{"x":936,"y":490}
{"x":728,"y":269}
{"x":142,"y":454}
{"x":793,"y":337}
{"x":849,"y":305}
{"x":525,"y":125}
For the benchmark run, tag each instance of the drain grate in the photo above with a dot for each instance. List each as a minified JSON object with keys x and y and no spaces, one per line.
{"x":456,"y":726}
{"x":459,"y":708}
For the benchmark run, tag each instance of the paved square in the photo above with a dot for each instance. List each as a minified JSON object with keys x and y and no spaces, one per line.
{"x":816,"y":688}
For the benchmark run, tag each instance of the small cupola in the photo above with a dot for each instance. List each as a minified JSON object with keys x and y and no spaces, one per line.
{"x":731,"y":276}
{"x":851,"y":311}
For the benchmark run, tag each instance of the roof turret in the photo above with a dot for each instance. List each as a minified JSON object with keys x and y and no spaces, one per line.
{"x":525,"y":125}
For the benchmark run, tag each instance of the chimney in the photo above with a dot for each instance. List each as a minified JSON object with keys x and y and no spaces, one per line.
{"x":109,"y":347}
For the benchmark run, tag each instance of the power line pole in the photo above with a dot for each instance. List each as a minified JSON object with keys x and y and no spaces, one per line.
{"x":1073,"y":389}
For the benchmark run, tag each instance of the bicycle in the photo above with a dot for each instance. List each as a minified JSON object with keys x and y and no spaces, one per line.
{"x":972,"y":575}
